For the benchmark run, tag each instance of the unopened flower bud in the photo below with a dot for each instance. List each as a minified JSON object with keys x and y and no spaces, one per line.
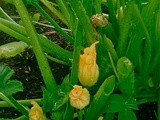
{"x":99,"y":20}
{"x":88,"y":69}
{"x":79,"y":97}
{"x":36,"y":112}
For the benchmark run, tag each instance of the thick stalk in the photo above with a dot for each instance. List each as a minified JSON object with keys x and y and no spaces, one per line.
{"x":42,"y":61}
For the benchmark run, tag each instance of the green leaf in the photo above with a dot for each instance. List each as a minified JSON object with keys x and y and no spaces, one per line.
{"x":131,"y":103}
{"x":12,"y":87}
{"x":58,"y":115}
{"x":118,"y":103}
{"x":106,"y":88}
{"x":8,"y":87}
{"x":52,"y":103}
{"x":115,"y":103}
{"x":48,"y":100}
{"x":60,"y":102}
{"x":5,"y":74}
{"x":125,"y":76}
{"x":100,"y":98}
{"x":12,"y":49}
{"x":65,"y":86}
{"x":127,"y":114}
{"x":125,"y":26}
{"x":36,"y":17}
{"x":109,"y":116}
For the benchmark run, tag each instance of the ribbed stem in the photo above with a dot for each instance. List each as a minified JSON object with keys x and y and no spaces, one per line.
{"x":42,"y":61}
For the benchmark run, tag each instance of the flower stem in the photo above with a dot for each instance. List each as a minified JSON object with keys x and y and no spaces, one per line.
{"x":112,"y":63}
{"x":80,"y":115}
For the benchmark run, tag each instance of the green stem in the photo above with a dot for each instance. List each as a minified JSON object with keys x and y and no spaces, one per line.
{"x":5,"y":15}
{"x":80,"y":114}
{"x":18,"y":106}
{"x":76,"y":54}
{"x":113,"y":66}
{"x":42,"y":61}
{"x":54,"y":10}
{"x":22,"y":102}
{"x":11,"y":101}
{"x":56,"y":60}
{"x":57,"y":27}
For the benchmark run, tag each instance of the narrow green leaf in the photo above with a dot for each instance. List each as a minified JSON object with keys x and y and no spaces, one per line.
{"x":100,"y":99}
{"x":112,"y":15}
{"x":84,"y":20}
{"x":106,"y":88}
{"x":88,"y":5}
{"x":125,"y":26}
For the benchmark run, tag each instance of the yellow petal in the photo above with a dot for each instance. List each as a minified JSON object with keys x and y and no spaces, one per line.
{"x":88,"y":69}
{"x":79,"y":97}
{"x":36,"y":112}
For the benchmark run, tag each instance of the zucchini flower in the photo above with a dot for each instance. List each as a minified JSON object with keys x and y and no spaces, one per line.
{"x":36,"y":112}
{"x":79,"y":97}
{"x":88,"y":69}
{"x":99,"y":20}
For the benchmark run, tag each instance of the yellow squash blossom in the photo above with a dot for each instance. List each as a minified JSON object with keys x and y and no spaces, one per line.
{"x":79,"y":97}
{"x":36,"y":112}
{"x":88,"y":69}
